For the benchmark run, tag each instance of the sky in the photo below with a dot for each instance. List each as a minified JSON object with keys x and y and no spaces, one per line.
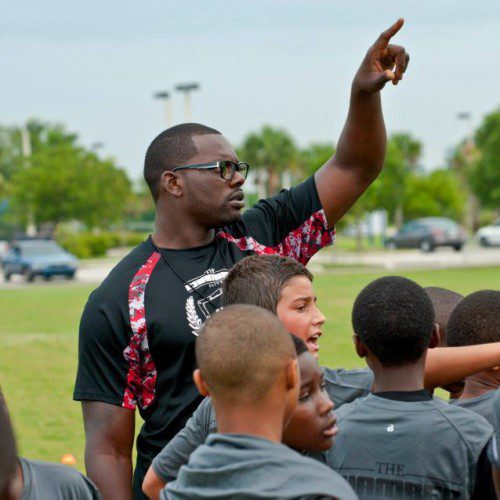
{"x":95,"y":66}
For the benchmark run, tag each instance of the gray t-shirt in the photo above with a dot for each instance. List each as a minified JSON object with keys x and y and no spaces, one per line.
{"x":494,"y":448}
{"x":482,"y":404}
{"x":246,"y":467}
{"x":49,"y":481}
{"x":389,"y":448}
{"x":342,"y":386}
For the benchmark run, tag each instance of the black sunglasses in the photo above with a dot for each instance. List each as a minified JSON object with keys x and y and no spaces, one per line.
{"x":226,"y":168}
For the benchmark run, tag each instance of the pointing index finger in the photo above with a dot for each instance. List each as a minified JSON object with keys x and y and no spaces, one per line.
{"x":385,"y":37}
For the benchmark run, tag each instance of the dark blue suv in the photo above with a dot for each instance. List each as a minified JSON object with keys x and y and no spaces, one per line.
{"x":38,"y":258}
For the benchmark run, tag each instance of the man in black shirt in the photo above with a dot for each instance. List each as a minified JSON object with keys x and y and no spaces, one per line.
{"x":137,"y":333}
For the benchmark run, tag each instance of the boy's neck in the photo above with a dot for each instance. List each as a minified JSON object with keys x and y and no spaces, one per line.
{"x":264,"y":419}
{"x":405,"y":378}
{"x":480,"y":383}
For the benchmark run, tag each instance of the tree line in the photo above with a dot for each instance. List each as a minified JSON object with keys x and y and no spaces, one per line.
{"x":47,"y":175}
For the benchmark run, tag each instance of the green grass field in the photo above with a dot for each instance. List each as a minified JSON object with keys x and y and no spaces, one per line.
{"x":38,"y":349}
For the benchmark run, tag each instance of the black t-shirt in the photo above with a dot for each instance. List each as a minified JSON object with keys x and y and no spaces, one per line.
{"x":137,"y":332}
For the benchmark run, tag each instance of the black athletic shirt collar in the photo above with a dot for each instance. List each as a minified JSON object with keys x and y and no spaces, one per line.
{"x":410,"y":396}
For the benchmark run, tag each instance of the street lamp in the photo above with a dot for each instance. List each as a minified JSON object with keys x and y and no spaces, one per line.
{"x":165,"y":96}
{"x":186,"y":89}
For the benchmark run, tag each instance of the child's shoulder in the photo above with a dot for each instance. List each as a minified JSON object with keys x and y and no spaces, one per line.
{"x":474,"y":430}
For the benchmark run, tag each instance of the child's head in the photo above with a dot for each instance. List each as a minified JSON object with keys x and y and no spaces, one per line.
{"x":443,"y":301}
{"x":282,"y":286}
{"x":8,"y":453}
{"x":393,"y":321}
{"x":312,"y":423}
{"x":245,"y":355}
{"x":476,"y":320}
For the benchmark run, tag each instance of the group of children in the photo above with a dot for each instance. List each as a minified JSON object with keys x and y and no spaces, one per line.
{"x":267,"y":426}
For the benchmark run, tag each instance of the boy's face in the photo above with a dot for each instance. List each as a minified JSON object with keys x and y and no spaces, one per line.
{"x":297,"y":310}
{"x":312,"y":424}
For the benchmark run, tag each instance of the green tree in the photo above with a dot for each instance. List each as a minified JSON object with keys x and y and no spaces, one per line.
{"x":313,"y":157}
{"x":484,"y":176}
{"x":272,"y":150}
{"x":63,"y":181}
{"x":436,"y":194}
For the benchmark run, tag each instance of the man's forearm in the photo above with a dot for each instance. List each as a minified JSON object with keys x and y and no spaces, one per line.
{"x":362,"y":145}
{"x":111,"y":473}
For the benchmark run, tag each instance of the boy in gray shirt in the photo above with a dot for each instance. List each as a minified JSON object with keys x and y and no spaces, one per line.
{"x":23,"y":479}
{"x":494,"y":448}
{"x":248,"y":365}
{"x":399,"y":442}
{"x":476,"y":320}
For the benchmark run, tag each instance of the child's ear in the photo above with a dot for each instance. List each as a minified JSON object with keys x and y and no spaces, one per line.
{"x":361,"y":350}
{"x":435,"y":337}
{"x":200,"y":383}
{"x":292,"y":375}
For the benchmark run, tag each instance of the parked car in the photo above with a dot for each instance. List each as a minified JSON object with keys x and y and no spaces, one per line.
{"x":427,"y":234}
{"x":38,"y":258}
{"x":489,"y":236}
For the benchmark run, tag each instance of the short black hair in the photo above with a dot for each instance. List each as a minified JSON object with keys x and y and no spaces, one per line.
{"x":394,"y":318}
{"x":172,"y":148}
{"x":476,"y":320}
{"x":8,"y":450}
{"x":259,"y":280}
{"x":300,"y":346}
{"x":443,"y":301}
{"x":240,"y":351}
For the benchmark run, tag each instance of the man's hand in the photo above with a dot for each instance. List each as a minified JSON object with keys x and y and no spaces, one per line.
{"x":361,"y":147}
{"x":383,"y":62}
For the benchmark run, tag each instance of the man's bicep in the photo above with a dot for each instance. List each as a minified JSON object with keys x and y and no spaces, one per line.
{"x":338,"y":190}
{"x":108,"y":427}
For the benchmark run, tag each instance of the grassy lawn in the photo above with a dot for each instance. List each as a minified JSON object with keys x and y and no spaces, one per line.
{"x":38,"y":339}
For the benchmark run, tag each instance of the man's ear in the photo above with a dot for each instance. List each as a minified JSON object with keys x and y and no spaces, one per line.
{"x":171,"y":183}
{"x":200,"y":383}
{"x":435,"y":337}
{"x":292,"y":375}
{"x":361,"y":349}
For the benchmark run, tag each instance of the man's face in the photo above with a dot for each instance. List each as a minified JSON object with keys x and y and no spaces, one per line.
{"x":297,"y":310}
{"x":210,"y":199}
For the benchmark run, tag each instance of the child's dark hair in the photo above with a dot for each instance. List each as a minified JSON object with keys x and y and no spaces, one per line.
{"x":259,"y":279}
{"x":394,"y":318}
{"x":299,"y":344}
{"x":476,"y":320}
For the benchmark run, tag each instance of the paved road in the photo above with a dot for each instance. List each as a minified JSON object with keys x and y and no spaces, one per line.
{"x":441,"y":258}
{"x":95,"y":271}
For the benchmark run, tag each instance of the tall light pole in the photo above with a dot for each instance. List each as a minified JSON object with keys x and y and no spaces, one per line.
{"x":26,"y":149}
{"x":468,"y":150}
{"x":165,"y":97}
{"x":187,"y":89}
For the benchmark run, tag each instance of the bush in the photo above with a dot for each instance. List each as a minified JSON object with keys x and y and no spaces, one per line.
{"x":87,"y":244}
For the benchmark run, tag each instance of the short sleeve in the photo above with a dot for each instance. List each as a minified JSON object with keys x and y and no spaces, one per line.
{"x":292,"y":224}
{"x":177,"y":452}
{"x":102,"y":366}
{"x":494,"y":447}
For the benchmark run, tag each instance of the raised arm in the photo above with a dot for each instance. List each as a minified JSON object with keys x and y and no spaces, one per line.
{"x":109,"y":438}
{"x":445,"y":365}
{"x":361,"y":148}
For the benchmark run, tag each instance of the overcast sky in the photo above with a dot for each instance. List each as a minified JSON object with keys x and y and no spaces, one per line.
{"x":95,"y":65}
